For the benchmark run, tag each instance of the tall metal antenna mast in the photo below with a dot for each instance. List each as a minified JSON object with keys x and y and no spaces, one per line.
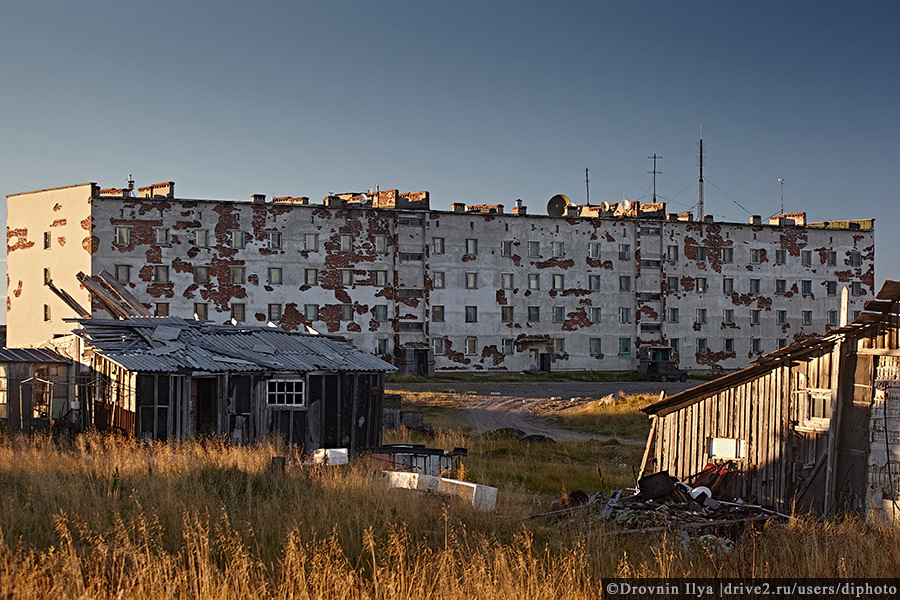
{"x":700,"y":203}
{"x":654,"y":171}
{"x":587,"y":186}
{"x":781,"y":181}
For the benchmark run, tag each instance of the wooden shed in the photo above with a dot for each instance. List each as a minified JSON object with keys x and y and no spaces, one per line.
{"x":171,"y":378}
{"x":34,"y":388}
{"x":814,"y":425}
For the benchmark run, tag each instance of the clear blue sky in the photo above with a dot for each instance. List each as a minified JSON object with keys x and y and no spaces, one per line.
{"x":478,"y":102}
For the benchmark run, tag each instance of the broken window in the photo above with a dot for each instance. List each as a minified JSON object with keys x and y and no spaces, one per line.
{"x":534,"y":281}
{"x":346,"y":277}
{"x":559,"y":345}
{"x":438,"y":346}
{"x":471,"y":345}
{"x":274,"y":275}
{"x":507,"y":346}
{"x":310,"y":276}
{"x":123,"y":273}
{"x":123,"y":236}
{"x":311,"y":312}
{"x":438,"y":280}
{"x":437,"y":313}
{"x":534,"y":249}
{"x":701,"y":284}
{"x":471,"y":246}
{"x":672,"y":284}
{"x":672,"y":315}
{"x":506,"y":281}
{"x":237,"y":274}
{"x":672,"y":252}
{"x":381,"y":278}
{"x":311,"y":242}
{"x":238,"y":239}
{"x":559,"y":281}
{"x":856,"y":288}
{"x":506,"y":248}
{"x":624,"y":251}
{"x":701,"y":316}
{"x":202,"y":238}
{"x":596,"y":347}
{"x":275,"y":312}
{"x":379,"y":312}
{"x":285,"y":392}
{"x":274,"y":240}
{"x":806,"y":317}
{"x":594,"y":282}
{"x":437,"y":245}
{"x":755,"y":255}
{"x":595,"y":249}
{"x":534,"y":314}
{"x":780,"y":287}
{"x":238,"y":311}
{"x":161,"y":274}
{"x":162,"y":236}
{"x":624,"y":283}
{"x":161,"y":309}
{"x":381,"y":346}
{"x":728,"y":316}
{"x":201,"y":274}
{"x":471,"y":314}
{"x":506,"y":314}
{"x":558,"y":249}
{"x":624,"y":314}
{"x":727,"y":255}
{"x":201,"y":311}
{"x":701,"y":346}
{"x":471,"y":281}
{"x":596,"y":314}
{"x":559,"y":314}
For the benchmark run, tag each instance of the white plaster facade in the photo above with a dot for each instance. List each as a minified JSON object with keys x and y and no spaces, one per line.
{"x":445,"y":290}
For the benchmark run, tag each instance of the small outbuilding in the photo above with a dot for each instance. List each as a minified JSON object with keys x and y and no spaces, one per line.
{"x":35,"y":389}
{"x":815,"y":425}
{"x":170,"y":378}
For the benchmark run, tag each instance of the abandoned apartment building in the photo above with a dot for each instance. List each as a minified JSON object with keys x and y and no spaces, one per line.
{"x":474,"y":288}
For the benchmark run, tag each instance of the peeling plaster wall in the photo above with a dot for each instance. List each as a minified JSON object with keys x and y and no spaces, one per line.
{"x":883,"y":471}
{"x":634,"y":297}
{"x":62,"y":216}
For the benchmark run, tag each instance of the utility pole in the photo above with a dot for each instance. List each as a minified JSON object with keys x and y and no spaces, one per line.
{"x":654,"y":171}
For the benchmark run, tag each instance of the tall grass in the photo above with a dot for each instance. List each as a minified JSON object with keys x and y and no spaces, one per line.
{"x":110,"y":518}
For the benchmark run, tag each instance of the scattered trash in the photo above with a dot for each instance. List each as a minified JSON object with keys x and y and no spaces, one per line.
{"x":496,"y":394}
{"x":482,"y":497}
{"x":331,"y":456}
{"x":416,"y":458}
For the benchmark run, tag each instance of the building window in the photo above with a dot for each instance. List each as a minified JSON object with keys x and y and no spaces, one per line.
{"x":238,"y":239}
{"x":832,"y":318}
{"x":275,"y":312}
{"x":534,"y":281}
{"x":856,"y":288}
{"x":596,"y":347}
{"x":672,"y":315}
{"x":672,"y":252}
{"x":201,"y":274}
{"x":559,"y":314}
{"x":123,"y":273}
{"x":285,"y":392}
{"x":380,"y":244}
{"x":506,"y":281}
{"x":806,"y":287}
{"x":161,"y":309}
{"x":806,"y":258}
{"x":672,"y":284}
{"x":624,"y":314}
{"x":506,"y":314}
{"x":728,"y":316}
{"x":701,"y":346}
{"x":201,"y":238}
{"x":506,"y":248}
{"x":161,"y":274}
{"x":273,"y":238}
{"x":727,"y":255}
{"x":274,"y":276}
{"x":594,"y":282}
{"x":162,"y":236}
{"x":46,"y":312}
{"x":381,"y":279}
{"x":471,"y":345}
{"x":534,"y":314}
{"x":806,"y":317}
{"x":346,"y":277}
{"x":781,"y":257}
{"x":780,"y":287}
{"x":311,"y":312}
{"x":831,"y":258}
{"x":471,"y":314}
{"x":123,"y":236}
{"x":855,"y":259}
{"x":624,"y":347}
{"x":855,"y":314}
{"x":754,"y":286}
{"x":310,"y":276}
{"x":379,"y":312}
{"x":831,"y":288}
{"x":47,"y":240}
{"x":595,"y":249}
{"x":625,"y":253}
{"x":381,"y":347}
{"x":781,"y":317}
{"x":624,"y":283}
{"x":437,"y":313}
{"x":238,"y":311}
{"x":701,"y":284}
{"x":559,"y":345}
{"x":756,"y":346}
{"x":701,"y":316}
{"x":595,"y":314}
{"x":346,"y":243}
{"x":701,"y":253}
{"x":782,"y":342}
{"x":437,"y":245}
{"x":311,"y":242}
{"x":237,"y":274}
{"x":507,"y":345}
{"x":437,"y":345}
{"x":534,"y":249}
{"x":558,"y":249}
{"x":754,"y":316}
{"x":346,"y":312}
{"x":755,"y":255}
{"x":471,"y":281}
{"x":438,"y":281}
{"x":729,"y":345}
{"x":471,"y":246}
{"x":728,"y":285}
{"x":201,"y":310}
{"x":559,"y":281}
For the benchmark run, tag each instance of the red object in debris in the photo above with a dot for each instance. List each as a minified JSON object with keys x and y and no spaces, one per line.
{"x":718,"y":478}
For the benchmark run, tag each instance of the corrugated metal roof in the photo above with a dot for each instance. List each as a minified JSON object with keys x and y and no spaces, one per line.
{"x":10,"y":355}
{"x":136,"y":344}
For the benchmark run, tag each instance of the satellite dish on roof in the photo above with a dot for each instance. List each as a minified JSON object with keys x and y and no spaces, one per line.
{"x":604,"y":206}
{"x":556,"y":207}
{"x":625,"y":204}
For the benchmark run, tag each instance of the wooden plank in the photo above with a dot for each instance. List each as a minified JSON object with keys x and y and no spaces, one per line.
{"x":653,"y":424}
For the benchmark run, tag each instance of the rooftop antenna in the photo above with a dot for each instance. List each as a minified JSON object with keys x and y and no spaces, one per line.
{"x":130,"y":185}
{"x":700,"y":202}
{"x":781,"y":181}
{"x":654,"y":171}
{"x":587,"y":186}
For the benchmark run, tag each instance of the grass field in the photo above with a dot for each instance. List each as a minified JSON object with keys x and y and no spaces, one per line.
{"x":109,"y":518}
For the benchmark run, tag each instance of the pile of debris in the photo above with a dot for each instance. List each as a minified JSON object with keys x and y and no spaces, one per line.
{"x":659,"y":503}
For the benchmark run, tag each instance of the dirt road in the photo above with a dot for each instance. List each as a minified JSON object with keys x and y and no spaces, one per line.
{"x":525,"y":406}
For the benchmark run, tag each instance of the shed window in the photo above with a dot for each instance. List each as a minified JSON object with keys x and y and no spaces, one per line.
{"x":4,"y":399}
{"x":727,"y":448}
{"x":285,"y":392}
